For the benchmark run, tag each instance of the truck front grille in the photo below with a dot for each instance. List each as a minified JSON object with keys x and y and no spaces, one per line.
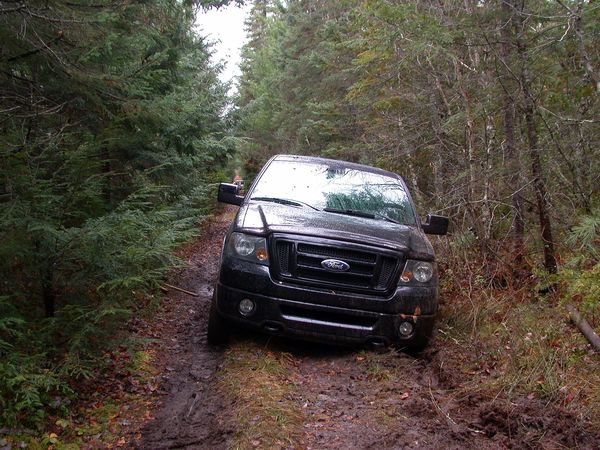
{"x":371,"y":270}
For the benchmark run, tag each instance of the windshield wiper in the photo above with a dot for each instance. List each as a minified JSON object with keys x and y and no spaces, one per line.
{"x":350,"y":212}
{"x":283,"y":201}
{"x":388,"y":219}
{"x":368,"y":215}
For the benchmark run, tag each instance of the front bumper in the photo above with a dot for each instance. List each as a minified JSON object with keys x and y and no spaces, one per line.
{"x":322,"y":322}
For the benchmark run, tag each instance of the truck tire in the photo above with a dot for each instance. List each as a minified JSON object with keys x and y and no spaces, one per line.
{"x":217,"y":332}
{"x":417,"y":346}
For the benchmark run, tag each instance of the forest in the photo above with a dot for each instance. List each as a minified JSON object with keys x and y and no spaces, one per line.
{"x":115,"y":130}
{"x":113,"y":127}
{"x":488,"y":110}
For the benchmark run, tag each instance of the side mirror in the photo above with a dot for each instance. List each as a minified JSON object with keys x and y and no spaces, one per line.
{"x":228,"y":193}
{"x":436,"y":225}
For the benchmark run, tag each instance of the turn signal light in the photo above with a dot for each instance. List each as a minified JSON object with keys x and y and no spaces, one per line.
{"x":261,"y":254}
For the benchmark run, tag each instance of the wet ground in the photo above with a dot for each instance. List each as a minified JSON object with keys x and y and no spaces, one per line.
{"x":189,"y":412}
{"x":349,"y":399}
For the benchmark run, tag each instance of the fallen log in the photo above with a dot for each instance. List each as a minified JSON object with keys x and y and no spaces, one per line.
{"x":166,"y":287}
{"x":584,"y":327}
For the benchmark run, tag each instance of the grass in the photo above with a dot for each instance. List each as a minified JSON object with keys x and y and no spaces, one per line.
{"x":140,"y":365}
{"x":260,"y":382}
{"x":523,"y":345}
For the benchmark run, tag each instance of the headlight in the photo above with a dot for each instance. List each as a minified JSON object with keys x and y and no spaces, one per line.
{"x":423,"y":272}
{"x":420,"y":271}
{"x":250,"y":248}
{"x":244,"y":245}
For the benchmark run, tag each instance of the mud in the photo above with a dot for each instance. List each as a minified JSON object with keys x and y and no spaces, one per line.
{"x":189,"y":413}
{"x":350,"y":399}
{"x":395,"y":401}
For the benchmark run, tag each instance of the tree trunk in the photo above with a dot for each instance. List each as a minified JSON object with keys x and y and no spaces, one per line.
{"x":508,"y":127}
{"x":437,"y":158}
{"x":48,"y":295}
{"x":529,"y":111}
{"x":584,"y":327}
{"x":469,"y":152}
{"x":582,"y":162}
{"x":490,"y":142}
{"x":591,"y":76}
{"x":440,"y":110}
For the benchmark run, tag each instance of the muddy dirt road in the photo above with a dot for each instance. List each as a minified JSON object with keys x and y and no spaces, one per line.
{"x":189,"y":410}
{"x":349,"y":399}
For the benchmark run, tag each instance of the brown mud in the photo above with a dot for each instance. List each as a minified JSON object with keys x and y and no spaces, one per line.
{"x":189,"y":412}
{"x":350,"y":399}
{"x":397,"y":402}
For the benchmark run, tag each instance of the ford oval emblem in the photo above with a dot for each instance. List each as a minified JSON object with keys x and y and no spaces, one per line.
{"x":335,"y":265}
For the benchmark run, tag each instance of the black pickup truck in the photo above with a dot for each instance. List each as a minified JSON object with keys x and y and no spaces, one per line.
{"x":328,"y":251}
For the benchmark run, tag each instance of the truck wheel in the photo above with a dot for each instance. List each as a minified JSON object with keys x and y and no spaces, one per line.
{"x":413,"y":348}
{"x":217,"y":333}
{"x":417,"y":345}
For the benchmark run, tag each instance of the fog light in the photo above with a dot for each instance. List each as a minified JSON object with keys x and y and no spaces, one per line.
{"x":246,"y":307}
{"x":406,"y":329}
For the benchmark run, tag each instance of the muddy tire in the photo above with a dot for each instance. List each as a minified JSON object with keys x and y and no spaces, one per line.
{"x":417,"y":346}
{"x":217,"y":333}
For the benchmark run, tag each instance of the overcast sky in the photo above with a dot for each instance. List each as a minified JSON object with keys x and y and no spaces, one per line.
{"x":225,"y":26}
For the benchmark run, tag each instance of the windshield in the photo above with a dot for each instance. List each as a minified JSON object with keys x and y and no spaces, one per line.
{"x":335,"y":189}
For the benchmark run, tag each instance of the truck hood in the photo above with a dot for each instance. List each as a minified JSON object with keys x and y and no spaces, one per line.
{"x":265,"y":218}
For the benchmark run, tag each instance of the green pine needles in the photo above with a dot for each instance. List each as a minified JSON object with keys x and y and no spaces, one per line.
{"x":113,"y":130}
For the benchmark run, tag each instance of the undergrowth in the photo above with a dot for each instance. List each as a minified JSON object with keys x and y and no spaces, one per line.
{"x":109,"y":270}
{"x":520,"y":340}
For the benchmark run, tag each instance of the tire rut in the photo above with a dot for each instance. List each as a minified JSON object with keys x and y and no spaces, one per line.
{"x":190,"y":412}
{"x":366,"y":400}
